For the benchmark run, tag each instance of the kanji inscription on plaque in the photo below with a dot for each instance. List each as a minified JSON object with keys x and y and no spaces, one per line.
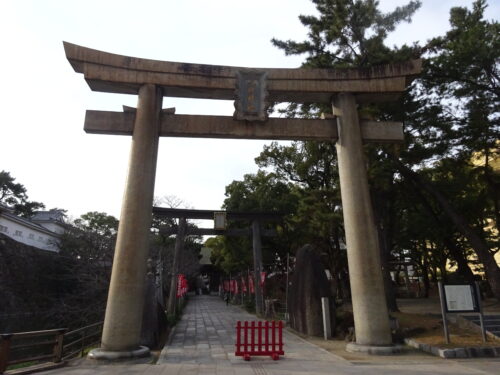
{"x":251,"y":95}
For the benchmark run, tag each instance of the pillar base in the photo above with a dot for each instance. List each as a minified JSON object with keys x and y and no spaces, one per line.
{"x":352,"y":347}
{"x":100,"y":354}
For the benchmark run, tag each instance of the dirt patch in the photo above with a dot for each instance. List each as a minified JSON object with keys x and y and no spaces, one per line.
{"x":337,"y":348}
{"x":424,"y":328}
{"x":428,"y":329}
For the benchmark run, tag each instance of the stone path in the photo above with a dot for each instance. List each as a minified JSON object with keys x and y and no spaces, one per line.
{"x":206,"y":335}
{"x":203,"y":343}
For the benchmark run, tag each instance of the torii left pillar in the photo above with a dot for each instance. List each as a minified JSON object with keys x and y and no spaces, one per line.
{"x":123,"y":320}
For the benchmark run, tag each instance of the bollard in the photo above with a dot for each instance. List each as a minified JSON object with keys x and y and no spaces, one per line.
{"x":327,"y":329}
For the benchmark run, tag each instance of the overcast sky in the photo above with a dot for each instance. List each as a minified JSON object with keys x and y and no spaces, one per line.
{"x":43,"y":101}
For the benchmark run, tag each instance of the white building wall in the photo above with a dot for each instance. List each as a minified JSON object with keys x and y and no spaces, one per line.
{"x":28,"y":235}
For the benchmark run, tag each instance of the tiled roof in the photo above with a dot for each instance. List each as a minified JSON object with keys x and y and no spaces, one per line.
{"x":53,"y":215}
{"x":27,"y":222}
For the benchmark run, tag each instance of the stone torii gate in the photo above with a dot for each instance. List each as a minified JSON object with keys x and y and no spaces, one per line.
{"x":256,"y":218}
{"x":252,"y":90}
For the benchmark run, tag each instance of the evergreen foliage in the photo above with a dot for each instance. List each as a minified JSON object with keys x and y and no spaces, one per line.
{"x":436,"y":198}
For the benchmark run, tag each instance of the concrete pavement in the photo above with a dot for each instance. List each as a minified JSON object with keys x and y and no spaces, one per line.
{"x":203,"y":343}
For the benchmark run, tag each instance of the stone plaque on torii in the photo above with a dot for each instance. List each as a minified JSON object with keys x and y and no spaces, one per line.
{"x":152,"y":80}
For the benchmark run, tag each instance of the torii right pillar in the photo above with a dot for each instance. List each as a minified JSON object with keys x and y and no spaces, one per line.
{"x":371,"y":317}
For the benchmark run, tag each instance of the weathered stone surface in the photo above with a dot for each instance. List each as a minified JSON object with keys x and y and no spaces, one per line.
{"x":374,"y":350}
{"x":447,"y":353}
{"x":468,"y":352}
{"x":107,"y":355}
{"x":426,"y":348}
{"x":113,"y":73}
{"x":371,"y":317}
{"x":122,"y":322}
{"x":487,"y":352}
{"x":309,"y":284}
{"x":472,"y":352}
{"x":225,"y":127}
{"x":154,"y":320}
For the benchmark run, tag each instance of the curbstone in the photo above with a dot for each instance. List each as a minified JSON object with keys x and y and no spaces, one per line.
{"x":447,"y":353}
{"x":487,"y":352}
{"x":426,"y":348}
{"x":467,"y":352}
{"x":472,"y":352}
{"x":412,"y":343}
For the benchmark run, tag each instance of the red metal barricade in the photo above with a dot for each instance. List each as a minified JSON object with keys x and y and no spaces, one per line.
{"x":259,"y":338}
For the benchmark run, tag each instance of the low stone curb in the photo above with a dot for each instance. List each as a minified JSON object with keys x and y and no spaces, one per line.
{"x":467,"y":352}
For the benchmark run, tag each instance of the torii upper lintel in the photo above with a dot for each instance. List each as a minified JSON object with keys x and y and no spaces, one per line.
{"x":114,"y":73}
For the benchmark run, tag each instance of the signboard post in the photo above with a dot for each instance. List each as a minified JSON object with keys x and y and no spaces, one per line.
{"x":460,"y":299}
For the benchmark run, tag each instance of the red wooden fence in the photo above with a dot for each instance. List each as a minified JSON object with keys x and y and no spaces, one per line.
{"x":259,"y":338}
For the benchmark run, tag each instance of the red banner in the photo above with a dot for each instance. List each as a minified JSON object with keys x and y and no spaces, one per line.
{"x":235,"y":287}
{"x":182,"y":285}
{"x":251,"y":285}
{"x":226,"y":286}
{"x":243,"y":285}
{"x":262,"y":279}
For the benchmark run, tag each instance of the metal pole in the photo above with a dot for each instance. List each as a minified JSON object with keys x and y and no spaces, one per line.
{"x":481,"y":320}
{"x":249,"y":296}
{"x":286,"y":289}
{"x":257,"y":263}
{"x":443,"y":311}
{"x":241,"y":291}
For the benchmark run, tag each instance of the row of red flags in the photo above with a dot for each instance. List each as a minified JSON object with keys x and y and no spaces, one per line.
{"x":182,"y":285}
{"x":233,"y":287}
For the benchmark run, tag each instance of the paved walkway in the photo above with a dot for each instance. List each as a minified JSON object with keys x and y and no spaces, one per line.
{"x":203,"y":343}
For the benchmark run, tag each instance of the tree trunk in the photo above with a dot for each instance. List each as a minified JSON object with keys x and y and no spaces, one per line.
{"x":434,"y":276}
{"x":390,"y":296}
{"x":484,"y":255}
{"x":463,"y":268}
{"x":493,"y":190}
{"x":425,"y":273}
{"x":462,"y":265}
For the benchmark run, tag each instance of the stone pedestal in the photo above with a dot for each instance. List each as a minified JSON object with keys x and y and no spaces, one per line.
{"x":371,"y":318}
{"x":123,"y":319}
{"x":373,"y":349}
{"x":100,"y":354}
